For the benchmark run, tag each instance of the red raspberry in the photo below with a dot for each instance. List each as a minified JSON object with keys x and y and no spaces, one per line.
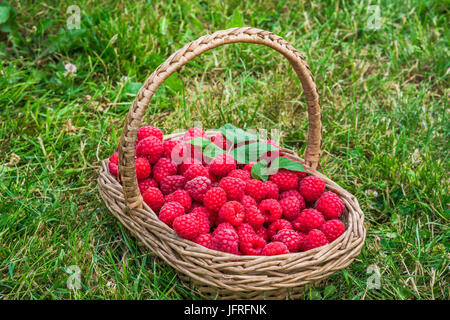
{"x":284,"y":179}
{"x":292,"y":193}
{"x":225,"y":238}
{"x":307,"y":220}
{"x":173,"y":149}
{"x":196,"y":170}
{"x":210,"y":214}
{"x":291,"y":207}
{"x":186,"y":164}
{"x":187,"y":226}
{"x":151,"y":148}
{"x":202,"y":220}
{"x":234,"y":187}
{"x":220,"y":141}
{"x":271,"y":210}
{"x":240,"y":174}
{"x":248,"y":201}
{"x":249,"y":242}
{"x":254,"y":217}
{"x":114,"y":158}
{"x":245,"y":230}
{"x":256,"y":189}
{"x":164,"y":168}
{"x":204,"y":240}
{"x":291,"y":238}
{"x":153,"y":198}
{"x":274,"y":248}
{"x":332,"y":229}
{"x":147,"y":183}
{"x":169,"y":211}
{"x":262,"y":232}
{"x":143,"y":168}
{"x":182,"y":197}
{"x":147,"y":131}
{"x":113,"y":168}
{"x":222,"y":165}
{"x":276,"y":226}
{"x":248,"y":167}
{"x":300,"y":174}
{"x":232,"y":212}
{"x":271,"y":190}
{"x":214,"y":199}
{"x":197,"y":188}
{"x":194,"y":133}
{"x":314,"y":239}
{"x":330,"y":205}
{"x":311,"y":188}
{"x":171,"y":184}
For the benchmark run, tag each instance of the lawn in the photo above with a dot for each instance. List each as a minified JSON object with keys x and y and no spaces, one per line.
{"x":381,"y":68}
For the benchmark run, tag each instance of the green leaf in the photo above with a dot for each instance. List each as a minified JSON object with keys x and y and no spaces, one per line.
{"x":4,"y":14}
{"x":259,"y":170}
{"x":132,"y":88}
{"x":237,"y":19}
{"x":289,"y":164}
{"x":236,"y":135}
{"x":251,"y":152}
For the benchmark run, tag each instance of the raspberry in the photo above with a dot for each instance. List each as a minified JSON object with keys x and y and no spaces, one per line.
{"x":153,"y":198}
{"x":232,"y":212}
{"x":254,"y":217}
{"x":271,"y":190}
{"x":182,"y":197}
{"x":202,"y":220}
{"x":256,"y":189}
{"x":274,"y":248}
{"x":292,"y":193}
{"x":240,"y":174}
{"x":291,"y":238}
{"x":147,"y":131}
{"x":173,"y":149}
{"x":300,"y":174}
{"x":248,"y":167}
{"x":204,"y":240}
{"x":307,"y":220}
{"x":222,"y":164}
{"x":220,"y":141}
{"x":186,"y":164}
{"x":251,"y":245}
{"x":276,"y":226}
{"x":197,"y":188}
{"x":332,"y":229}
{"x":194,"y":133}
{"x":234,"y":187}
{"x":171,"y":184}
{"x":311,"y":188}
{"x":143,"y":168}
{"x":210,"y":214}
{"x":314,"y":239}
{"x":214,"y":199}
{"x":113,"y":168}
{"x":151,"y":148}
{"x":330,"y":205}
{"x":114,"y":158}
{"x":147,"y":183}
{"x":225,"y":238}
{"x":291,"y":207}
{"x":196,"y":170}
{"x":245,"y":230}
{"x":169,"y":211}
{"x":271,"y":210}
{"x":248,"y":201}
{"x":284,"y":179}
{"x":187,"y":226}
{"x":262,"y":232}
{"x":164,"y":168}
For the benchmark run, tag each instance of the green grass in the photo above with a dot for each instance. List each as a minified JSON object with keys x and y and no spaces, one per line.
{"x":384,"y":95}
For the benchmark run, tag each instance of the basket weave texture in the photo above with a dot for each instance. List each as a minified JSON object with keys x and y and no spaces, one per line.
{"x":216,"y":274}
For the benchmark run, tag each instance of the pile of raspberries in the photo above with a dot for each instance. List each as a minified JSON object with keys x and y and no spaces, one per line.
{"x":217,"y":204}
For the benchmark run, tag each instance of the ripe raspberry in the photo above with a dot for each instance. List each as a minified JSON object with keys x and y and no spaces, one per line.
{"x":240,"y":174}
{"x":245,"y":230}
{"x":153,"y":198}
{"x":330,"y":205}
{"x":232,"y":212}
{"x":276,"y":226}
{"x":164,"y":168}
{"x":222,"y":165}
{"x":291,"y":238}
{"x":147,"y":183}
{"x":234,"y":187}
{"x":248,"y":167}
{"x":143,"y":168}
{"x":291,"y":207}
{"x":169,"y":211}
{"x":214,"y":199}
{"x":196,"y":170}
{"x":254,"y":217}
{"x":271,"y":210}
{"x":210,"y":214}
{"x":248,"y":201}
{"x":262,"y":232}
{"x":114,"y":158}
{"x":332,"y":229}
{"x":292,"y":193}
{"x":187,"y":226}
{"x":274,"y":248}
{"x":173,"y":149}
{"x":197,"y":188}
{"x":311,"y":188}
{"x":171,"y":184}
{"x":314,"y":239}
{"x":113,"y":168}
{"x":202,"y":220}
{"x":300,"y":174}
{"x":182,"y":197}
{"x":194,"y":133}
{"x":147,"y":131}
{"x":307,"y":220}
{"x":284,"y":179}
{"x":271,"y":190}
{"x":186,"y":164}
{"x":151,"y":148}
{"x":256,"y":189}
{"x":225,"y":238}
{"x":204,"y":240}
{"x":249,"y":242}
{"x":220,"y":141}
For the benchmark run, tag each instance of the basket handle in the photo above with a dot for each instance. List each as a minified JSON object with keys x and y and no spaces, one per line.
{"x":133,"y":121}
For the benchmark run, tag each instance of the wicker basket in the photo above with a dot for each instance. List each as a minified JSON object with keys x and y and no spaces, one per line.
{"x":217,"y":274}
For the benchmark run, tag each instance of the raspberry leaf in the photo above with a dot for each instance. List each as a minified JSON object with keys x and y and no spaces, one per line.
{"x":251,"y":152}
{"x":236,"y":135}
{"x":289,"y":164}
{"x":259,"y":170}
